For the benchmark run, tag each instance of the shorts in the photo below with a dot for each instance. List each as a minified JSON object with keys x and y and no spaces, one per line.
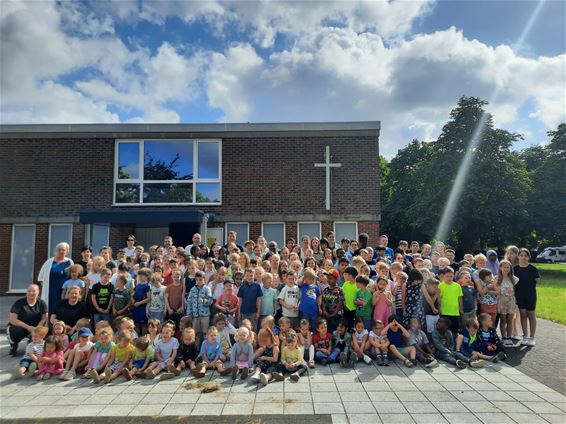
{"x":138,"y":363}
{"x":431,"y":321}
{"x":25,"y":363}
{"x":526,"y":299}
{"x":114,"y":366}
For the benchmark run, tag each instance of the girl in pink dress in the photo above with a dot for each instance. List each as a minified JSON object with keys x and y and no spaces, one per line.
{"x":51,"y":361}
{"x":382,"y":301}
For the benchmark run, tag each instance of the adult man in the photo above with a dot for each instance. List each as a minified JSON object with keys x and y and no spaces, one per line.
{"x":197,"y":239}
{"x":167,"y":242}
{"x":233,"y":238}
{"x":384,"y":241}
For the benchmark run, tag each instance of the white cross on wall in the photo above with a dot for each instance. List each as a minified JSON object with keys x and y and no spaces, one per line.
{"x":327,"y":165}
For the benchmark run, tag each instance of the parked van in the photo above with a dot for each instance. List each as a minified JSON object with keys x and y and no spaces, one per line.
{"x":552,"y":255}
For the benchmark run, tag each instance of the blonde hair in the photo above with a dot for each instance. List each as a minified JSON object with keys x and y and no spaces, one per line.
{"x":40,"y":331}
{"x":309,"y":273}
{"x":242,"y":330}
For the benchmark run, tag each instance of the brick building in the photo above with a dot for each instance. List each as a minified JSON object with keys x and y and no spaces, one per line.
{"x":96,"y":184}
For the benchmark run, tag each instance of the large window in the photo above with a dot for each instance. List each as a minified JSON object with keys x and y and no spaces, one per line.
{"x":348,"y":230}
{"x":242,"y":230}
{"x":60,"y":233}
{"x":99,"y":237}
{"x":310,"y":229}
{"x":274,"y":231}
{"x":23,"y":255}
{"x":163,"y":172}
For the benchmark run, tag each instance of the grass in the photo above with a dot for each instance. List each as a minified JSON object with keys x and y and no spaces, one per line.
{"x":551,"y":292}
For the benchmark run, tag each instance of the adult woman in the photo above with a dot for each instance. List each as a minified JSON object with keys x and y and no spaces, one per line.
{"x":130,"y":248}
{"x":53,"y":275}
{"x":26,"y":314}
{"x":70,"y":310}
{"x":85,"y":261}
{"x":305,"y":245}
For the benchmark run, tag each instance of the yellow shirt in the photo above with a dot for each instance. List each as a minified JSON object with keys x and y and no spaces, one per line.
{"x":291,"y":355}
{"x":121,"y":353}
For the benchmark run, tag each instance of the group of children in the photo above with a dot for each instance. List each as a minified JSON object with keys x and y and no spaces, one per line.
{"x":274,"y":314}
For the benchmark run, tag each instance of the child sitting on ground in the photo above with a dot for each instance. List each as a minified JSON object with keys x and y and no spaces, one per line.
{"x":34,"y":350}
{"x":292,"y":358}
{"x":443,"y":342}
{"x":165,"y":353}
{"x":342,"y":340}
{"x":322,"y":340}
{"x":397,"y":336}
{"x":253,"y":336}
{"x":99,"y":355}
{"x":143,"y":355}
{"x":210,"y":352}
{"x":468,"y":346}
{"x":77,"y":356}
{"x":305,"y":341}
{"x":51,"y":360}
{"x":59,"y":332}
{"x":284,"y":330}
{"x":187,"y":354}
{"x":360,"y":343}
{"x":491,"y":343}
{"x":379,"y":342}
{"x":242,"y":354}
{"x":225,"y":332}
{"x":122,"y":353}
{"x":420,"y":341}
{"x":266,"y":357}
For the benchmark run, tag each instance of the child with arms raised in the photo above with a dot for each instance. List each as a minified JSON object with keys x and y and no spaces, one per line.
{"x":397,"y":336}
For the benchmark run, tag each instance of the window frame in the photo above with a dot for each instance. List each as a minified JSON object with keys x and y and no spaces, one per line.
{"x":344,"y":222}
{"x":238,"y":223}
{"x":50,"y":253}
{"x":140,"y":181}
{"x":284,"y":231}
{"x":10,"y":289}
{"x":308,"y":222}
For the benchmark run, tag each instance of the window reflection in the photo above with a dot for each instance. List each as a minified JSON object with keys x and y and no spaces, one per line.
{"x":208,"y":160}
{"x":127,"y":193}
{"x":167,"y":193}
{"x":168,"y":160}
{"x":128,"y":160}
{"x":208,"y":193}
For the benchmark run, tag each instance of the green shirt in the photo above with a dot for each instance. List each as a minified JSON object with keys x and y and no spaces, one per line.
{"x":364,"y":312}
{"x":449,"y":294}
{"x":350,"y":289}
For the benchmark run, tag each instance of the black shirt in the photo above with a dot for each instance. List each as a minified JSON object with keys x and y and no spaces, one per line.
{"x":71,"y":314}
{"x":187,"y":351}
{"x":527,"y":277}
{"x":31,"y":315}
{"x":103,"y":294}
{"x":84,"y":265}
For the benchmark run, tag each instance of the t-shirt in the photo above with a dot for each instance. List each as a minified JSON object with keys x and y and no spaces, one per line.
{"x":321,"y":342}
{"x":268,"y":301}
{"x":187,"y":351}
{"x":229,"y":300}
{"x":291,"y":355}
{"x":211,"y":350}
{"x":35,"y":348}
{"x":121,"y":298}
{"x":419,"y":338}
{"x":88,"y":345}
{"x":331,"y":298}
{"x":309,"y":294}
{"x":360,"y":335}
{"x":142,"y":354}
{"x":103,"y":349}
{"x":527,"y":278}
{"x":31,"y":315}
{"x":175,"y":296}
{"x":449,"y":294}
{"x":166,"y":348}
{"x":93,"y":279}
{"x":71,"y":314}
{"x":364,"y":312}
{"x":291,"y":296}
{"x":341,"y":342}
{"x":121,"y":353}
{"x":469,"y":298}
{"x":249,"y":294}
{"x":395,"y":337}
{"x":157,"y":302}
{"x":350,"y":289}
{"x":102,"y":292}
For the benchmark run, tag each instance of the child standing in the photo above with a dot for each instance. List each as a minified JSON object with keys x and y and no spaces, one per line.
{"x":430,"y":296}
{"x":322,"y":340}
{"x":469,"y":297}
{"x":360,"y":343}
{"x":526,"y":293}
{"x":165,"y":353}
{"x":412,"y":298}
{"x":305,"y":341}
{"x":379,"y":343}
{"x":78,"y":355}
{"x":251,"y":295}
{"x":506,"y":304}
{"x":332,"y":301}
{"x":382,"y":300}
{"x":269,"y":298}
{"x":157,"y":307}
{"x":487,"y":293}
{"x":51,"y":360}
{"x":122,"y":297}
{"x":450,"y":297}
{"x":309,"y":305}
{"x":75,"y":273}
{"x":342,"y":340}
{"x":142,"y":295}
{"x":292,"y":358}
{"x":363,"y":301}
{"x":175,"y":297}
{"x":289,"y":299}
{"x":198,"y":306}
{"x":350,"y":289}
{"x":228,"y":303}
{"x":102,"y":297}
{"x":34,"y":351}
{"x":242,"y":354}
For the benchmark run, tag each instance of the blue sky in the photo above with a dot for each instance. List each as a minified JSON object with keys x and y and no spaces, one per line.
{"x":404,"y":63}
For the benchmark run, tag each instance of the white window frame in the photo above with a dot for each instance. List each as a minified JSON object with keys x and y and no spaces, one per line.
{"x":344,"y":222}
{"x":308,"y":222}
{"x":11,"y":290}
{"x":49,"y":254}
{"x":238,"y":223}
{"x":284,"y":232}
{"x":141,"y":181}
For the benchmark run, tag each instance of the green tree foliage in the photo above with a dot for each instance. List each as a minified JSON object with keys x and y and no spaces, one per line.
{"x":492,"y":209}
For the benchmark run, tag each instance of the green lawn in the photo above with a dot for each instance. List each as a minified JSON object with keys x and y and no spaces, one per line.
{"x":551,"y":292}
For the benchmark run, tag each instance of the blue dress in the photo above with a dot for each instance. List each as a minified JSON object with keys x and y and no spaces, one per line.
{"x":57,"y":277}
{"x":140,"y":293}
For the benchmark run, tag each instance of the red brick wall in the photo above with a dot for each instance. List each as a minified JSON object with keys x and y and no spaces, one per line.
{"x":5,"y":247}
{"x":325,"y":227}
{"x":255,"y":230}
{"x":78,"y":240}
{"x":117,"y":238}
{"x":372,"y":229}
{"x":290,"y":231}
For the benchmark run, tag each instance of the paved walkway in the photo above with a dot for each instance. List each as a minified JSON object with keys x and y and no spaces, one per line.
{"x":368,"y":394}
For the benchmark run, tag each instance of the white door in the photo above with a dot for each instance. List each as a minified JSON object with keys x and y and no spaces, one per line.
{"x":214,"y":235}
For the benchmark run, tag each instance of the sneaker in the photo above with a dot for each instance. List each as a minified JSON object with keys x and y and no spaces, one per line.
{"x":353,"y":359}
{"x":62,"y":375}
{"x":379,"y":360}
{"x":173,"y":369}
{"x":244,"y":374}
{"x":478,"y":363}
{"x":32,"y":368}
{"x":432,"y":363}
{"x":166,"y":376}
{"x":234,"y":372}
{"x":501,"y":356}
{"x":324,"y":361}
{"x":531,"y":342}
{"x":70,"y":375}
{"x":277,"y":376}
{"x":311,"y":364}
{"x":460,"y":364}
{"x":149,"y":373}
{"x":255,"y":378}
{"x":127,"y":374}
{"x":385,"y":361}
{"x":525,"y":341}
{"x":295,"y":376}
{"x":367,"y":359}
{"x":263,"y":379}
{"x":516,"y":339}
{"x":507,"y":342}
{"x":343,"y":359}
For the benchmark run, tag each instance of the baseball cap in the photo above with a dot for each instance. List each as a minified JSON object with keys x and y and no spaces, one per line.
{"x":85,"y":332}
{"x":334,"y":273}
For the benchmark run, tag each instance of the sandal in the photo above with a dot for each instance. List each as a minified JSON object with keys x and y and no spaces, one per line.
{"x":408,"y":363}
{"x":311,"y":364}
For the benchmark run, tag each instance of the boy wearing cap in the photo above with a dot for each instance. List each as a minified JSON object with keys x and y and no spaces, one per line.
{"x":78,"y":356}
{"x":332,"y":300}
{"x":198,"y":306}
